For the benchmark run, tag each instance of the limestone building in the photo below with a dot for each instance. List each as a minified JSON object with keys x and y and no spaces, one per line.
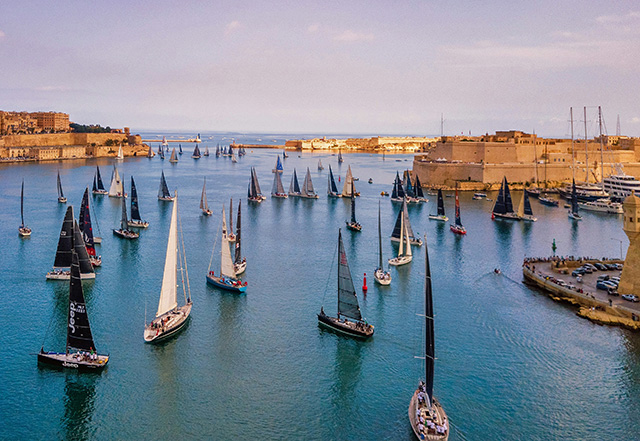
{"x":630,"y":278}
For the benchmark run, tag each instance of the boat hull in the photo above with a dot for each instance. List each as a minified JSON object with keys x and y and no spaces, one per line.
{"x":64,"y":361}
{"x":62,"y":200}
{"x":412,"y":241}
{"x":137,"y":224}
{"x":548,"y":202}
{"x":346,"y":327}
{"x":279,"y":195}
{"x":66,"y":275}
{"x":240,"y":268}
{"x":334,"y":195}
{"x":165,"y":199}
{"x":126,"y":234}
{"x":24,"y":232}
{"x":100,"y":192}
{"x":226,"y":283}
{"x":176,"y":322}
{"x":382,"y":277}
{"x":353,"y":226}
{"x":458,"y":229}
{"x":438,"y":218}
{"x":506,"y":216}
{"x":400,"y":260}
{"x":575,"y":217}
{"x":207,"y":212}
{"x":440,"y":417}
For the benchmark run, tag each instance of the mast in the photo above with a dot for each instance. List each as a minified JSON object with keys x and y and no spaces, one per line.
{"x":601,"y":148}
{"x":60,"y":193}
{"x":135,"y":208}
{"x":238,"y":256}
{"x":230,"y":216}
{"x":124,"y":222}
{"x":546,"y":161}
{"x":379,"y":239}
{"x":347,"y":300}
{"x":440,"y":203}
{"x":353,"y":207}
{"x":22,"y":204}
{"x":402,"y":230}
{"x":429,"y":328}
{"x":78,"y":329}
{"x":458,"y":220}
{"x":168,"y":292}
{"x":574,"y":199}
{"x":535,"y":160}
{"x":203,"y":198}
{"x":586,"y":146}
{"x":573,"y":152}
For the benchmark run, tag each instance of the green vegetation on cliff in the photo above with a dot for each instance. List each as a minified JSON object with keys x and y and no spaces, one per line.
{"x":93,"y":128}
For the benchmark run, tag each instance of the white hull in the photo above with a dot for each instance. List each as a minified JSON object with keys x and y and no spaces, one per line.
{"x":167,"y":199}
{"x":438,"y":218}
{"x":382,"y":277}
{"x":239,"y":268}
{"x":66,"y":275}
{"x":440,"y":418}
{"x":529,"y":218}
{"x":24,"y":232}
{"x":400,"y":260}
{"x":137,"y":224}
{"x":602,"y":207}
{"x":167,"y":324}
{"x":97,"y":240}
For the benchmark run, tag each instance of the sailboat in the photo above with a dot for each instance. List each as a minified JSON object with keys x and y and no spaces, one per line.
{"x":84,"y":224}
{"x":340,"y":160}
{"x":403,"y":217}
{"x":196,"y":153}
{"x":349,"y":189}
{"x":61,"y":198}
{"x":206,"y":151}
{"x":332,"y":189}
{"x":233,"y":158}
{"x":204,"y":205}
{"x":179,"y":149}
{"x":70,"y":240}
{"x":380,"y":275}
{"x":163,"y":190}
{"x":98,"y":185}
{"x":294,"y":187}
{"x":503,"y":207}
{"x":23,"y":230}
{"x":405,"y":255}
{"x":218,"y":151}
{"x":120,"y":154}
{"x":150,"y":152}
{"x":277,"y":190}
{"x":573,"y":211}
{"x":419,"y":193}
{"x":284,"y":154}
{"x":124,"y":230}
{"x":426,"y":415}
{"x":307,"y":190}
{"x":440,"y":216}
{"x":524,"y":209}
{"x":171,"y":318}
{"x":227,"y":279}
{"x":457,"y":226}
{"x":80,"y":351}
{"x":230,"y":236}
{"x":410,"y":196}
{"x":165,"y":144}
{"x":135,"y":221}
{"x":160,"y":149}
{"x":254,"y":194}
{"x":397,"y":194}
{"x":239,"y":262}
{"x":353,"y":224}
{"x":173,"y":158}
{"x":320,"y":166}
{"x":116,"y":189}
{"x":278,"y":168}
{"x":349,"y":320}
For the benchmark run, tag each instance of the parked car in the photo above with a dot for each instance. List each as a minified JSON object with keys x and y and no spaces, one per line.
{"x":630,"y":298}
{"x":619,"y":266}
{"x":577,"y":272}
{"x":587,"y":269}
{"x":611,"y":266}
{"x":603,"y":277}
{"x":615,"y":279}
{"x":588,"y":265}
{"x":610,"y":284}
{"x":601,"y":285}
{"x":600,"y":266}
{"x":613,"y":292}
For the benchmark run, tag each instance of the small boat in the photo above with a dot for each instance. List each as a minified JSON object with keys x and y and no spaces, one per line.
{"x":544,"y":200}
{"x":80,"y":352}
{"x":233,"y":158}
{"x":278,"y":168}
{"x":254,"y":194}
{"x":173,"y":158}
{"x":124,"y":230}
{"x":320,"y":166}
{"x":180,"y":149}
{"x":349,"y":320}
{"x":533,"y":192}
{"x":135,"y":221}
{"x":116,"y":189}
{"x":98,"y":185}
{"x":524,"y":209}
{"x":218,"y":151}
{"x":479,"y":196}
{"x":457,"y":227}
{"x":403,"y":217}
{"x":380,"y":275}
{"x":84,"y":224}
{"x":332,"y":189}
{"x":239,"y":262}
{"x":227,"y":279}
{"x":397,"y":194}
{"x":573,"y":211}
{"x":284,"y":154}
{"x":204,"y":205}
{"x":294,"y":187}
{"x":163,"y":190}
{"x":307,"y":190}
{"x":23,"y":230}
{"x":231,"y":237}
{"x":206,"y":151}
{"x":70,"y":240}
{"x":426,"y":415}
{"x":353,"y":224}
{"x":150,"y":152}
{"x":602,"y":206}
{"x":370,"y":181}
{"x":196,"y":153}
{"x":440,"y":216}
{"x":355,"y":179}
{"x":349,"y":188}
{"x":340,"y":160}
{"x":277,"y":190}
{"x":503,"y":207}
{"x":171,"y":318}
{"x":405,"y":255}
{"x":120,"y":155}
{"x":61,"y":198}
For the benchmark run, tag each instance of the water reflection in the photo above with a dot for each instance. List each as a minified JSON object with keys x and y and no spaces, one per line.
{"x":346,"y":378}
{"x":79,"y":405}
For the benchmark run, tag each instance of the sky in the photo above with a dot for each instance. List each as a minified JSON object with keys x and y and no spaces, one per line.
{"x":355,"y":66}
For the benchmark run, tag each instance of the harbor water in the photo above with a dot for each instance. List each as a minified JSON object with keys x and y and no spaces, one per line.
{"x":511,"y":363}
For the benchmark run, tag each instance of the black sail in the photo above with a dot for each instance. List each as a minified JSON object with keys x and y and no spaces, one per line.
{"x":507,"y":197}
{"x":347,"y":300}
{"x":397,"y":228}
{"x":95,"y":186}
{"x":256,"y":183}
{"x":500,"y":206}
{"x":332,"y":182}
{"x":65,"y":242}
{"x":238,"y":255}
{"x":353,"y":206}
{"x":60,"y":193}
{"x":135,"y":209}
{"x":429,"y":340}
{"x":458,"y":219}
{"x":84,"y":222}
{"x":100,"y":184}
{"x":81,"y":251}
{"x":394,"y":192}
{"x":418,"y":187}
{"x":527,"y":205}
{"x":164,"y":189}
{"x":440,"y":203}
{"x":407,"y":184}
{"x":78,"y":329}
{"x":124,"y":222}
{"x":400,"y":190}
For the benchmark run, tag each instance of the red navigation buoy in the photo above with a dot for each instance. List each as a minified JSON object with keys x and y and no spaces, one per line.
{"x":364,"y":284}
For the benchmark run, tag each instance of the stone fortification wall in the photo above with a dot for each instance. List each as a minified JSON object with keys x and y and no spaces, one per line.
{"x":64,"y":139}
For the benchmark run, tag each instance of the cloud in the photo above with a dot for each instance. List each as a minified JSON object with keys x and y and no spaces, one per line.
{"x":350,"y":35}
{"x":313,"y":28}
{"x":635,"y":120}
{"x":608,"y":19}
{"x":51,"y":88}
{"x":232,"y":27}
{"x":2,"y":34}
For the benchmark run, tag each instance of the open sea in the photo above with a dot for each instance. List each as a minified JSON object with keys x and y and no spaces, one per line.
{"x":511,"y":363}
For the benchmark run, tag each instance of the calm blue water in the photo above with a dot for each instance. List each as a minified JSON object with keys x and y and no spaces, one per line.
{"x":512,"y":364}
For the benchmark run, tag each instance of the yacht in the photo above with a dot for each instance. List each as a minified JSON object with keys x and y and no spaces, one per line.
{"x":602,"y":205}
{"x":620,"y":185}
{"x":586,"y":192}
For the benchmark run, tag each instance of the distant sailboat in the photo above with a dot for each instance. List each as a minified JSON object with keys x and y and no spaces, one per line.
{"x":70,"y":239}
{"x":150,"y":152}
{"x":440,"y":216}
{"x":349,"y":320}
{"x":179,"y":149}
{"x":332,"y":189}
{"x":227,"y":279}
{"x":135,"y":221}
{"x":98,"y":185}
{"x":403,"y":217}
{"x":84,"y":224}
{"x":163,"y":190}
{"x":340,"y":160}
{"x":233,"y":158}
{"x":254,"y":193}
{"x":503,"y":207}
{"x":116,"y":190}
{"x":426,"y":415}
{"x":23,"y":230}
{"x":405,"y":255}
{"x":173,"y":158}
{"x":284,"y":154}
{"x":380,"y":275}
{"x":204,"y":205}
{"x":277,"y":190}
{"x":573,"y":211}
{"x":218,"y":151}
{"x":171,"y":318}
{"x":239,"y":262}
{"x":349,"y":189}
{"x":307,"y":190}
{"x":457,"y":227}
{"x":124,"y":230}
{"x":320,"y":166}
{"x":294,"y":187}
{"x":206,"y":151}
{"x":278,"y":168}
{"x":353,"y":224}
{"x":524,"y":209}
{"x":397,"y":194}
{"x":80,"y":350}
{"x":196,"y":153}
{"x":120,"y":154}
{"x":61,"y":198}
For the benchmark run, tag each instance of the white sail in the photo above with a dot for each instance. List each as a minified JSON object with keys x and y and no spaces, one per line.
{"x":226,"y":264}
{"x":224,"y":225}
{"x":168,"y":294}
{"x":203,"y":198}
{"x":120,"y":153}
{"x":116,"y":184}
{"x":408,"y":242}
{"x":402,"y":230}
{"x":348,"y":188}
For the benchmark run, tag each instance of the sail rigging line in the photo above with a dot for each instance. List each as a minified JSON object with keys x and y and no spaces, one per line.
{"x":326,"y":287}
{"x":215,"y":243}
{"x":184,"y":272}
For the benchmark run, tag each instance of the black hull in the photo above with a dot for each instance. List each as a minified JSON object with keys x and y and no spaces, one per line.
{"x":333,"y":324}
{"x":354,"y":226}
{"x":43,"y":359}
